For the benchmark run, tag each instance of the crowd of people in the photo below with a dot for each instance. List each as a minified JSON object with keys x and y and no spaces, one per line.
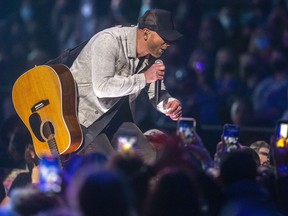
{"x":183,"y":180}
{"x":230,"y":67}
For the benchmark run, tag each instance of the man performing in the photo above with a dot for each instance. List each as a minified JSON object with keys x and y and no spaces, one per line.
{"x":111,"y":71}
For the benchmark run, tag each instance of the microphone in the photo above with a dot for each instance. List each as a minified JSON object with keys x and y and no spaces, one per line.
{"x":158,"y":84}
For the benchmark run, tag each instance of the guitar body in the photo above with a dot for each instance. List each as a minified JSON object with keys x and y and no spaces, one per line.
{"x":45,"y":99}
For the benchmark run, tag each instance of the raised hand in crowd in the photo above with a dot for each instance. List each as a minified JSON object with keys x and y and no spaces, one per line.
{"x":198,"y":149}
{"x":223,"y":147}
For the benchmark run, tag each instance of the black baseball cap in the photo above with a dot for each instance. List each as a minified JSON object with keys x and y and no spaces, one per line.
{"x":160,"y":21}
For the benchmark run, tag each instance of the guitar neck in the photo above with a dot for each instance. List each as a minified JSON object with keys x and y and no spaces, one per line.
{"x":54,"y":151}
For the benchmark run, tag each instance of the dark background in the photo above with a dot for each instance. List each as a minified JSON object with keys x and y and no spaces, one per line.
{"x":232,"y":59}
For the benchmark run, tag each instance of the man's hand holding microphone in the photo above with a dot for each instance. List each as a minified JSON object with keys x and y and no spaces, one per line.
{"x":155,"y":74}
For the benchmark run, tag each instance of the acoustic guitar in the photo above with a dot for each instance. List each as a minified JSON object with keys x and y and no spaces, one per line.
{"x":45,"y":98}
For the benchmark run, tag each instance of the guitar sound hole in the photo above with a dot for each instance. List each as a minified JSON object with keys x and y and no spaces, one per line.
{"x":48,"y":130}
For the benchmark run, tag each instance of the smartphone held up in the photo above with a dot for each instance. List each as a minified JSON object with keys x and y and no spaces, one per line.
{"x":50,"y":179}
{"x":282,"y":134}
{"x":126,"y":142}
{"x":231,"y":136}
{"x":185,"y":130}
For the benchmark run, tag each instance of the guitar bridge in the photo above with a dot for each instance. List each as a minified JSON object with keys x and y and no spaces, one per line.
{"x":39,"y":105}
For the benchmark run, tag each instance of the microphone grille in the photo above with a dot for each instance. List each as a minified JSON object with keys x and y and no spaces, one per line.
{"x":158,"y":61}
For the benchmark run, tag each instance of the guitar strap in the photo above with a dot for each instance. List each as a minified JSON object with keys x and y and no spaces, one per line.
{"x":68,"y":56}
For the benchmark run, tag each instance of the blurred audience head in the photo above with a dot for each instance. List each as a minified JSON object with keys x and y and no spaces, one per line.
{"x":157,"y":138}
{"x":278,"y":64}
{"x":242,"y":112}
{"x":260,"y":42}
{"x":30,"y":201}
{"x":19,"y":141}
{"x":250,"y":69}
{"x":237,"y":166}
{"x":129,"y":163}
{"x":74,"y":167}
{"x":104,"y":193}
{"x":211,"y":34}
{"x":262,"y":148}
{"x":175,"y":193}
{"x":226,"y":63}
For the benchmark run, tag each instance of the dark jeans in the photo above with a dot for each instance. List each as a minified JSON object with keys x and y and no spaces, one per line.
{"x":105,"y":141}
{"x":103,"y":145}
